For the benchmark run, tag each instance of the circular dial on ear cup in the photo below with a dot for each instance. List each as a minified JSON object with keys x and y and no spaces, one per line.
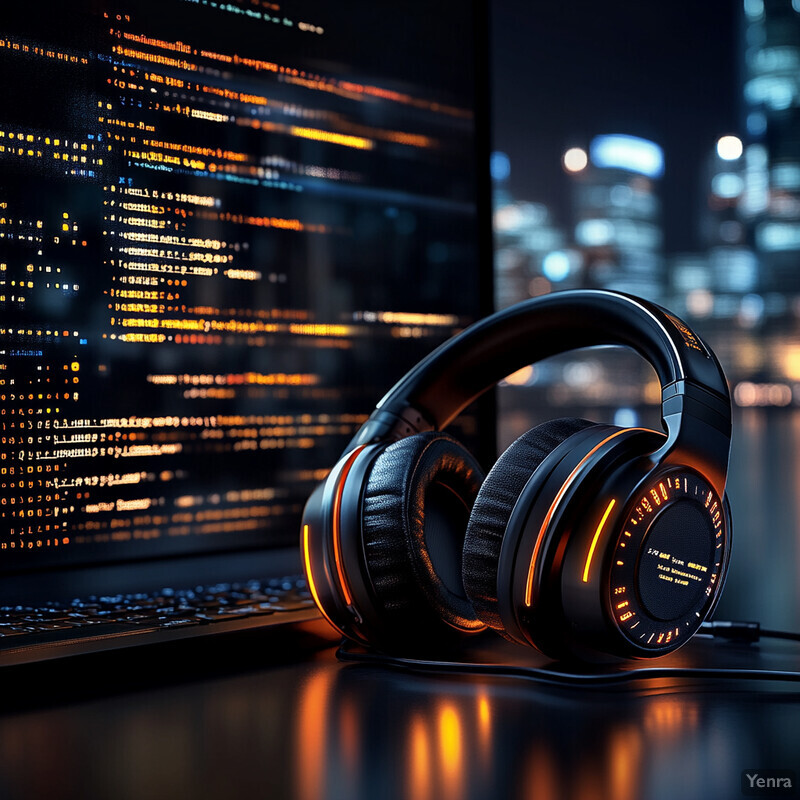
{"x":667,"y":564}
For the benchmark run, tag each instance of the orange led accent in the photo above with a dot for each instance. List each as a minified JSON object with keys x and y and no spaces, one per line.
{"x":310,"y":575}
{"x":596,"y":536}
{"x":337,"y":536}
{"x":561,"y":492}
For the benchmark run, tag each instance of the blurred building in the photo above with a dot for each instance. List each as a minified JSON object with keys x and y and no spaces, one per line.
{"x":618,"y":213}
{"x":771,"y":203}
{"x":534,"y":255}
{"x":732,"y":262}
{"x":720,"y":280}
{"x":531,"y":252}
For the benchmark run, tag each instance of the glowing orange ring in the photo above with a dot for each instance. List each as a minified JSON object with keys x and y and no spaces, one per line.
{"x":551,"y":511}
{"x":337,"y":525}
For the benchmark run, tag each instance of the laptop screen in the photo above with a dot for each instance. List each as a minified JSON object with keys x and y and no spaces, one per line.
{"x":226,"y":229}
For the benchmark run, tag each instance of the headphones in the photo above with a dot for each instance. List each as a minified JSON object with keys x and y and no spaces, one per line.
{"x":584,"y":540}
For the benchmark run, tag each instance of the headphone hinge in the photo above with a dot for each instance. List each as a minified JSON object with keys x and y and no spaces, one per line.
{"x":699,"y":430}
{"x":674,"y":395}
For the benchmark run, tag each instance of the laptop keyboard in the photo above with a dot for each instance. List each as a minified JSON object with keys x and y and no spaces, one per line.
{"x":98,"y":615}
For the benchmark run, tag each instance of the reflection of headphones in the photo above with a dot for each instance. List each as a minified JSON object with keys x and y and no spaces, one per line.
{"x":584,"y":539}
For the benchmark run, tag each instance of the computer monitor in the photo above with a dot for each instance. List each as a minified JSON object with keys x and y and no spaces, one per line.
{"x":226,"y":229}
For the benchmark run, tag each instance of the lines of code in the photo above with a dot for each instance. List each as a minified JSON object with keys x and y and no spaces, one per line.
{"x":226,"y":229}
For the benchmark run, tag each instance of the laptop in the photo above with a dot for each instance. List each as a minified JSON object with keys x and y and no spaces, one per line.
{"x":226,"y":229}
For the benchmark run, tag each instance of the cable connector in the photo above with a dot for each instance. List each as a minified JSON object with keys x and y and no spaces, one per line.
{"x":735,"y":631}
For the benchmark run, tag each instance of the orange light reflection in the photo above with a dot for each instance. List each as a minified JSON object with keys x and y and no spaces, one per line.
{"x":419,"y":767}
{"x":451,"y":749}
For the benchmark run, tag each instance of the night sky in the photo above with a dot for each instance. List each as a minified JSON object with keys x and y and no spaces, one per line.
{"x":565,"y":71}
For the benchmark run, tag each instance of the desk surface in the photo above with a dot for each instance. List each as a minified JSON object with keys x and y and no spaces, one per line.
{"x":278,"y":717}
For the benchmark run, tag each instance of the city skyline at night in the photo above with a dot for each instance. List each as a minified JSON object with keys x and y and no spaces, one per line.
{"x":564,"y":74}
{"x":702,"y":217}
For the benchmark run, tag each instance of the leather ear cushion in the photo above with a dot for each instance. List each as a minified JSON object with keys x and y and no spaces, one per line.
{"x":494,"y":504}
{"x":415,"y":509}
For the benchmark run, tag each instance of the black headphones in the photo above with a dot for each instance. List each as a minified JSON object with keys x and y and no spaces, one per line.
{"x":584,"y":540}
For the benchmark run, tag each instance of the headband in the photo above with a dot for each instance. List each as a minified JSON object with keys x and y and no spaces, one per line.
{"x":695,"y":401}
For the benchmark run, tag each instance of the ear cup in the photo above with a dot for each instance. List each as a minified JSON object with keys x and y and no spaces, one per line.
{"x":415,"y":509}
{"x":494,"y":504}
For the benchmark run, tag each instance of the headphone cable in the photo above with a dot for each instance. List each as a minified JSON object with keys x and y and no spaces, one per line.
{"x":741,"y":631}
{"x":744,"y":631}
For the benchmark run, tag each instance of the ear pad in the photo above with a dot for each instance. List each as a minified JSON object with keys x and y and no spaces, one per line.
{"x":415,"y":509}
{"x":494,"y":504}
